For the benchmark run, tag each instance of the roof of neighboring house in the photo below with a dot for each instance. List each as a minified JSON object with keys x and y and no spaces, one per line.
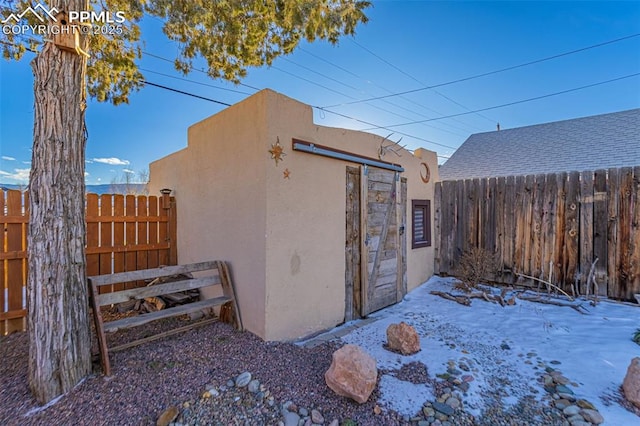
{"x":588,"y":143}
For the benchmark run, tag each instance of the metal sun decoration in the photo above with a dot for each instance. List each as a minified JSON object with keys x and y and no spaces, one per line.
{"x":277,"y":151}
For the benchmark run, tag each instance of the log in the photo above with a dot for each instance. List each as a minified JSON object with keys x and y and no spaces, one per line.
{"x":126,"y":306}
{"x":177,"y":297}
{"x":538,"y":299}
{"x":158,"y":303}
{"x":488,"y":298}
{"x":545,"y":282}
{"x":463,"y":300}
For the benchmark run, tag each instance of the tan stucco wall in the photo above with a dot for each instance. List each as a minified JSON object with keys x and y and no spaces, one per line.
{"x":285,"y":238}
{"x":220,"y":188}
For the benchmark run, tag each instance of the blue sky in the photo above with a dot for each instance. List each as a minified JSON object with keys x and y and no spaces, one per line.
{"x":407,"y":45}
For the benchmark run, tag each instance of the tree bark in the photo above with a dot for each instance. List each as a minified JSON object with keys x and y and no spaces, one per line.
{"x":58,"y":321}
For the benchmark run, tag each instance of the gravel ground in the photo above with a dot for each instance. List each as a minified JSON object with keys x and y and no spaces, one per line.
{"x":151,"y":377}
{"x":192,"y":371}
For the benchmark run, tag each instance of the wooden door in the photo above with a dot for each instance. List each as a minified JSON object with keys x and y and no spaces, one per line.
{"x":375,"y":264}
{"x":352,"y":247}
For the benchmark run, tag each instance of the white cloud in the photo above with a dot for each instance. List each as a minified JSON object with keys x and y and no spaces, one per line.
{"x":129,"y":171}
{"x":86,"y":174}
{"x":7,"y":158}
{"x":26,"y":162}
{"x":112,"y":161}
{"x":20,"y":175}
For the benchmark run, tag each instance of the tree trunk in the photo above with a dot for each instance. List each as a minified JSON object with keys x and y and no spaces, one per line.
{"x":59,"y":332}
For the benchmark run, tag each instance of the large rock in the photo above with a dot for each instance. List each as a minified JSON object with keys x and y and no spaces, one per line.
{"x":631,"y":383}
{"x":353,"y":373}
{"x":403,"y":338}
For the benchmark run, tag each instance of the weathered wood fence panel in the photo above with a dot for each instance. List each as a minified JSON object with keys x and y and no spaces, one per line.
{"x":552,"y":227}
{"x":123,"y":234}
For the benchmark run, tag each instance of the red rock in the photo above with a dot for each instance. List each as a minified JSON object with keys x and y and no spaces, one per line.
{"x":403,"y":338}
{"x":353,"y":373}
{"x":168,"y":416}
{"x":631,"y":383}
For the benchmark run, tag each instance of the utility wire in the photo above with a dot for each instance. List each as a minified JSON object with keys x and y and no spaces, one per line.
{"x":510,"y":103}
{"x":330,"y":112}
{"x":184,"y":93}
{"x":310,"y":81}
{"x":548,"y":58}
{"x":171,"y":89}
{"x":335,"y":91}
{"x":160,"y":86}
{"x":16,"y":45}
{"x":320,"y":58}
{"x":194,"y":81}
{"x":319,"y":108}
{"x":416,"y":80}
{"x":194,"y":69}
{"x":276,"y":68}
{"x":380,"y":127}
{"x":304,"y":67}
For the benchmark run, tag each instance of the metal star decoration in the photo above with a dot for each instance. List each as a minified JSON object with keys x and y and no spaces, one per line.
{"x":277,"y":152}
{"x":286,"y":173}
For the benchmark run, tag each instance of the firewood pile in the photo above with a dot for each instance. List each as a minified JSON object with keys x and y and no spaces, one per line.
{"x":157,"y":303}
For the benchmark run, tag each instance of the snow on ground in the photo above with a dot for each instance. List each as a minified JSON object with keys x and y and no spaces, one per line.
{"x":507,"y":348}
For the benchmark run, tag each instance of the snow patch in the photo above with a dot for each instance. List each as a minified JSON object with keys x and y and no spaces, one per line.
{"x":403,"y":397}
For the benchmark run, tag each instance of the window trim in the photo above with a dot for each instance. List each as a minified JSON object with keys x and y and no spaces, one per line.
{"x":424,"y":205}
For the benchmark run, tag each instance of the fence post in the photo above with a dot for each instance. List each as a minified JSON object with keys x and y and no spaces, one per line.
{"x":169,"y":204}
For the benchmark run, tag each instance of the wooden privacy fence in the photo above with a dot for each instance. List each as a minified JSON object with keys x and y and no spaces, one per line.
{"x":547,"y":225}
{"x":124,"y":233}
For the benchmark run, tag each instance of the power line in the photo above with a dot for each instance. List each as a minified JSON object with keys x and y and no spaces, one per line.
{"x":160,"y":86}
{"x":285,"y":72}
{"x":381,"y":127}
{"x":17,"y":45}
{"x":320,"y":58}
{"x":194,"y":82}
{"x":306,"y":80}
{"x":194,"y":69}
{"x":181,"y":92}
{"x":278,"y":69}
{"x":311,"y":82}
{"x":334,"y":91}
{"x":155,"y":84}
{"x":416,"y":80}
{"x":510,"y":103}
{"x":184,"y":93}
{"x":274,"y":67}
{"x":330,"y":112}
{"x":548,"y":58}
{"x":321,"y":74}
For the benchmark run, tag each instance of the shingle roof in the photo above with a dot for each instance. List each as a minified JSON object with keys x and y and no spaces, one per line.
{"x":588,"y":143}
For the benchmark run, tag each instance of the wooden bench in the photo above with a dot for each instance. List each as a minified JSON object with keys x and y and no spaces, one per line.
{"x":220,"y":276}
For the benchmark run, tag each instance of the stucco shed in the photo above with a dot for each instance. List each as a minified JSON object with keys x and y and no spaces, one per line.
{"x":261,"y":186}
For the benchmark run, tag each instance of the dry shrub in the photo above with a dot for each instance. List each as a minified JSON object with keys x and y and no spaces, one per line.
{"x":474,"y":266}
